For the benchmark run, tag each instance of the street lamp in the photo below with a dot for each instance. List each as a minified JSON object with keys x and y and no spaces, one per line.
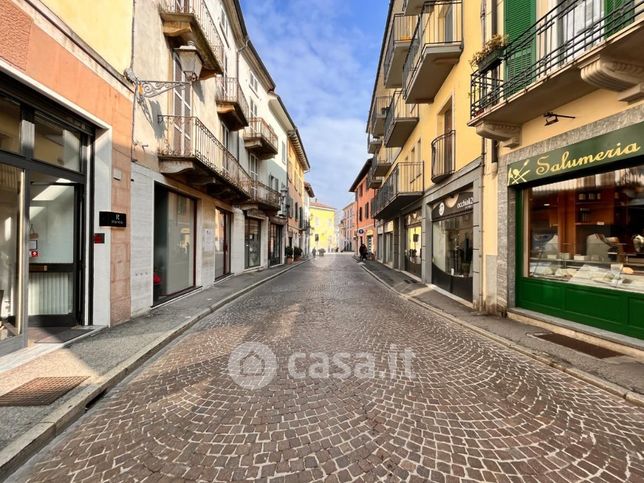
{"x":190,"y":63}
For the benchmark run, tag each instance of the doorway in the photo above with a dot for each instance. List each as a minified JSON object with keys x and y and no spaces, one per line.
{"x":222,"y":243}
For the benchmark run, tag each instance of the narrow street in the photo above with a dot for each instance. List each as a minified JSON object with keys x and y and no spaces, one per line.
{"x":467,"y":410}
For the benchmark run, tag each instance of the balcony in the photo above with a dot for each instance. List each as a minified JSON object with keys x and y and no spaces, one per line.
{"x":378,"y":115}
{"x":403,"y":186}
{"x":400,"y":122}
{"x":402,"y":30}
{"x":373,"y":180}
{"x":232,"y":105}
{"x":383,"y":160}
{"x":413,"y":7}
{"x":435,"y":49}
{"x":192,"y":154}
{"x":373,"y":144}
{"x":260,"y":139}
{"x":443,"y":164}
{"x":190,"y":20}
{"x":264,"y":197}
{"x":572,"y":50}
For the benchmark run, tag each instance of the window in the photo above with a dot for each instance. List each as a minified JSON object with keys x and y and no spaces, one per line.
{"x":366,"y":211}
{"x":252,"y":166}
{"x":10,"y":119}
{"x":283,"y":152}
{"x":588,"y":231}
{"x":223,"y":23}
{"x":226,"y":136}
{"x":297,"y":211}
{"x":360,"y":214}
{"x":253,"y":108}
{"x":254,"y":84}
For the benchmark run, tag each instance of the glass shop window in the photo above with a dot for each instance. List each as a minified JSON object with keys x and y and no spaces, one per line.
{"x":588,"y":231}
{"x":9,"y":126}
{"x":56,"y":145}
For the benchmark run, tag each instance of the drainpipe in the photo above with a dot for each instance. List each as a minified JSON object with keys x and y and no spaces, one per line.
{"x":239,"y":51}
{"x":482,"y":269}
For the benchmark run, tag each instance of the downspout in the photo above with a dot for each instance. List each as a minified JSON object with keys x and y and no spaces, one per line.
{"x":482,"y":269}
{"x":239,"y":51}
{"x":132,"y":37}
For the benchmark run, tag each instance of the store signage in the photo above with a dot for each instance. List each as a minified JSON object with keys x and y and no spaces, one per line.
{"x":459,"y":203}
{"x":611,"y":147}
{"x":110,"y":218}
{"x":360,"y":231}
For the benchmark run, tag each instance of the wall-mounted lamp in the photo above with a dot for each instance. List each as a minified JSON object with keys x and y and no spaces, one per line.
{"x":552,"y":118}
{"x":191,"y":65}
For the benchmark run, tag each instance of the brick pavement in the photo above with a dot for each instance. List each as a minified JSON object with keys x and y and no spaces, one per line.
{"x":474,"y":411}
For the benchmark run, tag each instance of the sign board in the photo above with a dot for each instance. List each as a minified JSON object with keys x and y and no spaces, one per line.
{"x":360,"y":231}
{"x":110,"y":218}
{"x":459,"y":203}
{"x":608,"y":148}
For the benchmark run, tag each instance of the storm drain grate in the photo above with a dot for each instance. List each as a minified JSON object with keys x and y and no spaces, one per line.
{"x":578,"y":345}
{"x":40,"y":391}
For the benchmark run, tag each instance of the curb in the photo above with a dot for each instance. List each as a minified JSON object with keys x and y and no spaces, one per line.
{"x":616,"y":390}
{"x":52,"y":425}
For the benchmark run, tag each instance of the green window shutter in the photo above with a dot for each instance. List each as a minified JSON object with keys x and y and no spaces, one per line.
{"x":519,"y":18}
{"x":618,"y":14}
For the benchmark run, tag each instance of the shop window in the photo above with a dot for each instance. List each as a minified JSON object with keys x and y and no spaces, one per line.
{"x":56,"y":145}
{"x":588,"y":231}
{"x":9,"y":126}
{"x":253,"y":242}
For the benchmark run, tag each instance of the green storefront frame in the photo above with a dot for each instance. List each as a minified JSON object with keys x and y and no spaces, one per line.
{"x":613,"y":310}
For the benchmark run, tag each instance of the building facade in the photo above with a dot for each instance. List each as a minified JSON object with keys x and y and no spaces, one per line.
{"x":568,"y":195}
{"x":323,"y":227}
{"x":348,"y":228}
{"x":365,"y":223}
{"x":298,"y":220}
{"x":65,"y":142}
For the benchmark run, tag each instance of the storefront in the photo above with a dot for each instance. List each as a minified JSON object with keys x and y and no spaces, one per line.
{"x":222,"y":243}
{"x":275,"y":244}
{"x":580,"y":231}
{"x":252,"y":242}
{"x":174,"y":244}
{"x":388,"y":243}
{"x":44,"y":160}
{"x":413,"y":243}
{"x":453,"y":244}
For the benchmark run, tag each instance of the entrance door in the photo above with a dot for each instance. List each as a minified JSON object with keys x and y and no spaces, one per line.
{"x":222,"y":244}
{"x":253,"y":243}
{"x":54,"y":251}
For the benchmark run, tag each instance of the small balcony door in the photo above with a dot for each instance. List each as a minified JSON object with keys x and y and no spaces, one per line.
{"x":182,"y":107}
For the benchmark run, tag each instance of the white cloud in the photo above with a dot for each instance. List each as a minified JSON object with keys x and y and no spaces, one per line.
{"x":317,"y":57}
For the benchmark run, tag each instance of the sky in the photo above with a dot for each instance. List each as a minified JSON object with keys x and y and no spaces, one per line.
{"x":322,"y":55}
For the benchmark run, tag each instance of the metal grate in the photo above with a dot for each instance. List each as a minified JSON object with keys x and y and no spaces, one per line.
{"x":41,"y":391}
{"x":578,"y":345}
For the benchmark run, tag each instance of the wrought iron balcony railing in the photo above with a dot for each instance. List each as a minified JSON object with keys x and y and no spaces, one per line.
{"x":400,"y":111}
{"x":188,"y":138}
{"x":378,"y":115}
{"x":562,"y":35}
{"x":200,"y":12}
{"x":259,"y":128}
{"x":404,"y":184}
{"x":402,"y":31}
{"x":264,"y":195}
{"x":228,"y":90}
{"x":443,"y":163}
{"x":440,"y":26}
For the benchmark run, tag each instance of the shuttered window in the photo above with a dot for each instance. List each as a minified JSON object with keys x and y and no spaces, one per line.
{"x":519,"y":17}
{"x":623,"y":16}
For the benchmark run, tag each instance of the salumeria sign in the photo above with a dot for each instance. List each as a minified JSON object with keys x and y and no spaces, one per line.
{"x":615,"y":146}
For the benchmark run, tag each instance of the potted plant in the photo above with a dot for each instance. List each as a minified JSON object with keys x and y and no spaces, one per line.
{"x":297,"y":253}
{"x":490,"y":55}
{"x":289,"y":255}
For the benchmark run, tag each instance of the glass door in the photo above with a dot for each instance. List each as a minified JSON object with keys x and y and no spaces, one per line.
{"x":222,"y":244}
{"x":253,"y":242}
{"x":54,"y":268}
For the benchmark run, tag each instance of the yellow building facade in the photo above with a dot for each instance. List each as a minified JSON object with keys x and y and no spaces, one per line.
{"x":568,"y":116}
{"x":322,"y":219}
{"x":428,"y":163}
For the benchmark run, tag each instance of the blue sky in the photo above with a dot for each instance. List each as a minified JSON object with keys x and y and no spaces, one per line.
{"x":322,"y":55}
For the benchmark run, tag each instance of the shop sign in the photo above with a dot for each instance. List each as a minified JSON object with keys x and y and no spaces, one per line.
{"x":110,"y":218}
{"x":360,"y":231}
{"x":459,"y":203}
{"x":611,"y":147}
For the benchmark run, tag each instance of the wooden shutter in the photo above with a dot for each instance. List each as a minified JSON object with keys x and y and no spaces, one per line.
{"x":618,"y":14}
{"x":519,"y":19}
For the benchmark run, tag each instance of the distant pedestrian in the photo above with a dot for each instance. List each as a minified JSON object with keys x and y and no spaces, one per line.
{"x":363,"y":252}
{"x":314,"y":252}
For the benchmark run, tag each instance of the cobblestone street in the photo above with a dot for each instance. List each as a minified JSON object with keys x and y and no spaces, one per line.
{"x":470,"y":410}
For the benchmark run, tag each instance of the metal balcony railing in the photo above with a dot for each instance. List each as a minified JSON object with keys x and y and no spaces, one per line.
{"x":379,"y":109}
{"x":398,"y":109}
{"x":200,"y":11}
{"x":558,"y":38}
{"x":441,"y":23}
{"x":187,"y":137}
{"x":265,"y":195}
{"x":229,"y":90}
{"x":405,"y":180}
{"x":402,"y":30}
{"x":443,"y":163}
{"x":260,"y":128}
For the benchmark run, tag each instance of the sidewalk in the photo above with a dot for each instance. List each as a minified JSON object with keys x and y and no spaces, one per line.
{"x":105,"y":358}
{"x":622,"y":375}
